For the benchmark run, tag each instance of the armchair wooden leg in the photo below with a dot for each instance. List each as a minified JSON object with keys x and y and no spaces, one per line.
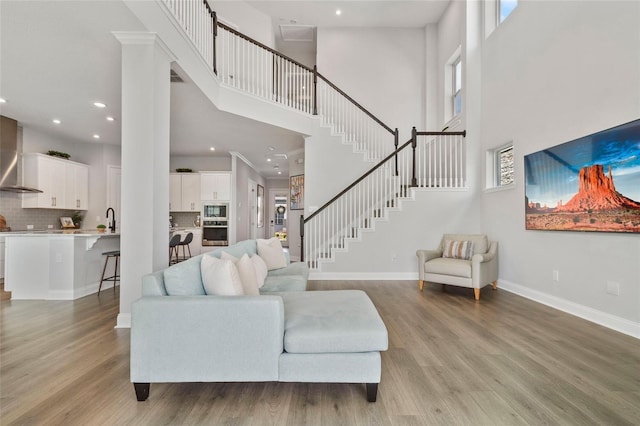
{"x":421,"y":284}
{"x":495,"y":285}
{"x":476,"y":292}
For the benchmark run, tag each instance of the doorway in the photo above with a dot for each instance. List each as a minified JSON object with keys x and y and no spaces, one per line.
{"x":278,"y":213}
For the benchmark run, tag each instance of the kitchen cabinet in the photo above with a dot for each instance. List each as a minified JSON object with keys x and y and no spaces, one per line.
{"x":215,"y":186}
{"x":77,"y":187}
{"x":184,"y":192}
{"x":64,"y":184}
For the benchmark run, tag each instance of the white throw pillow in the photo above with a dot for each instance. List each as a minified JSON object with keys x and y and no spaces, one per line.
{"x":247,"y":273}
{"x":260,"y":268}
{"x":271,"y":252}
{"x":220,"y":277}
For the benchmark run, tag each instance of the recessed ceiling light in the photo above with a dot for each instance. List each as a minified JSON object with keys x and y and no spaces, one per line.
{"x":56,"y":121}
{"x":212,"y":149}
{"x":279,"y":173}
{"x":96,"y":136}
{"x":338,"y":12}
{"x":268,"y":160}
{"x":270,"y":148}
{"x":100,"y":104}
{"x":110,"y":118}
{"x":3,"y":101}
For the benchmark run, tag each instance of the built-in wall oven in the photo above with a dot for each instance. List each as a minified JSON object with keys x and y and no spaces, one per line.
{"x":215,"y":224}
{"x":215,"y":233}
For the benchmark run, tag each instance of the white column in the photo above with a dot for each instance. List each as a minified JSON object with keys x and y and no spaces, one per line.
{"x":144,"y":240}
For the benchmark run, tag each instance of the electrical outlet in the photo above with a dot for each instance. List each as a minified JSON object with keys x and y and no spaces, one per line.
{"x":49,"y":226}
{"x":613,"y":288}
{"x":29,"y":227}
{"x":58,"y":257}
{"x":556,"y":276}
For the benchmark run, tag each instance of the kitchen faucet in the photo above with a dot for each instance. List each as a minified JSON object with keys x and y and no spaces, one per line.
{"x":113,"y":219}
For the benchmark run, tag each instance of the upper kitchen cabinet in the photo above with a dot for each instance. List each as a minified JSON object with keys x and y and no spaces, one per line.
{"x":64,"y":184}
{"x":216,"y":186}
{"x":184,"y":192}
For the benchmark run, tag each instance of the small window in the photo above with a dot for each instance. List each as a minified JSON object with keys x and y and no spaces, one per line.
{"x":504,"y":166}
{"x":457,"y":87}
{"x":505,"y":7}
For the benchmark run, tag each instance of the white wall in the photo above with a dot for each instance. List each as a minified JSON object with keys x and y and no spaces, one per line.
{"x":553,"y":72}
{"x":245,"y":19}
{"x":242,"y":172}
{"x":380,"y":68}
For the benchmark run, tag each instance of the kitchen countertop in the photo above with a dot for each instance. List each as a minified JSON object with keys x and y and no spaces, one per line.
{"x":65,"y":232}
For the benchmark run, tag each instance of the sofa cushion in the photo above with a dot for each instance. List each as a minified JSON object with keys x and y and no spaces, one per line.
{"x":184,"y":278}
{"x":480,"y":241}
{"x":246,"y":271}
{"x":271,"y":252}
{"x":446,"y":266}
{"x":296,"y":268}
{"x":458,"y":249}
{"x":331,"y":322}
{"x":220,"y":277}
{"x":261,"y":269}
{"x":284,"y":283}
{"x":237,"y":250}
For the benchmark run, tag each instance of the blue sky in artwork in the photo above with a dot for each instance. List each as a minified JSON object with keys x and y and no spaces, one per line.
{"x":551,"y":175}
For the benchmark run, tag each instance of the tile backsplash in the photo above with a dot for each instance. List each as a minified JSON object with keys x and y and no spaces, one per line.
{"x":18,"y":218}
{"x":184,"y":219}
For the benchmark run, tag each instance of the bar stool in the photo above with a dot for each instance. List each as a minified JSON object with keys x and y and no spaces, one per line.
{"x":173,"y":246}
{"x":115,"y":277}
{"x":187,"y":240}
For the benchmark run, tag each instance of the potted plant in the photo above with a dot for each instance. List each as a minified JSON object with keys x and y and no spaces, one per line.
{"x":77,"y":219}
{"x":101,"y":228}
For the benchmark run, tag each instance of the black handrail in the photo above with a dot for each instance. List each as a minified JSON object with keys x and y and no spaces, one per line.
{"x":257,"y":43}
{"x":412,"y":141}
{"x":314,"y":71}
{"x":363,"y":109}
{"x":357,"y":181}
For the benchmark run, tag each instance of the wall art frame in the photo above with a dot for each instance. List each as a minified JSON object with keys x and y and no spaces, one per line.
{"x":588,"y":184}
{"x":296,"y":192}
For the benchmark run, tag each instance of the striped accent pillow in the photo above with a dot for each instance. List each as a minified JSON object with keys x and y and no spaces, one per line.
{"x":458,"y":249}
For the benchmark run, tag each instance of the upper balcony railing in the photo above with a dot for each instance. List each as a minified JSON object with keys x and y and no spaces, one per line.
{"x":252,"y":67}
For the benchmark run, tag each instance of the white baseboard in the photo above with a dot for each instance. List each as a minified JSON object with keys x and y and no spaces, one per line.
{"x":124,"y":321}
{"x":604,"y":319}
{"x":364,"y":276}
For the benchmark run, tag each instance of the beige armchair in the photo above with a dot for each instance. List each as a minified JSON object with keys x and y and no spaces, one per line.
{"x":466,"y":260}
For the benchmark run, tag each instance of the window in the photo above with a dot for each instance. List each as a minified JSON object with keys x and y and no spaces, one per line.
{"x":505,"y":7}
{"x":504,"y":166}
{"x":500,"y":171}
{"x":457,"y":87}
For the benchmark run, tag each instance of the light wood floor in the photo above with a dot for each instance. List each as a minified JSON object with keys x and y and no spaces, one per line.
{"x":502,"y":361}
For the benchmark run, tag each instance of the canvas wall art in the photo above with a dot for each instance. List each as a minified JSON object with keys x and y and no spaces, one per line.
{"x":588,"y":184}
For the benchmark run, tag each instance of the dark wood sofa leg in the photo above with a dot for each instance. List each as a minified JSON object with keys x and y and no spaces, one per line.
{"x":142,"y":390}
{"x":372,"y":392}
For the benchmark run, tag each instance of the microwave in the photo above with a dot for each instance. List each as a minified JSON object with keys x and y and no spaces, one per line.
{"x":215,"y":211}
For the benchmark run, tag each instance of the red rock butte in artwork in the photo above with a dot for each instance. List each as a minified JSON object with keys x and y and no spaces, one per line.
{"x":596,"y":191}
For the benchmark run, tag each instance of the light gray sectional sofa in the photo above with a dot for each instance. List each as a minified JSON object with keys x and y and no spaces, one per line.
{"x":179,"y":334}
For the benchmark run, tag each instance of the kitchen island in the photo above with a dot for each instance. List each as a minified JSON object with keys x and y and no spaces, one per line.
{"x":56,"y":265}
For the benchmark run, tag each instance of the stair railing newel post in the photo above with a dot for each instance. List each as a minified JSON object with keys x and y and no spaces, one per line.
{"x":214,"y":17}
{"x":395,"y":144}
{"x":315,"y":90}
{"x":414,"y":144}
{"x":301,"y":238}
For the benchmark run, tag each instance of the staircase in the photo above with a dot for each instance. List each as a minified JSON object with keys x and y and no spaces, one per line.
{"x":433,"y":160}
